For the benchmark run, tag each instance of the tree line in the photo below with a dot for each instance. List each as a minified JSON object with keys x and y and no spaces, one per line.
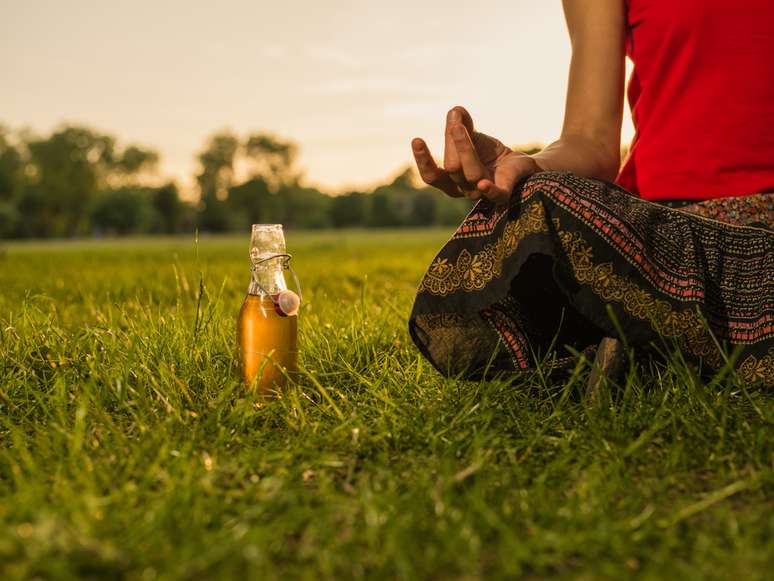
{"x":80,"y":182}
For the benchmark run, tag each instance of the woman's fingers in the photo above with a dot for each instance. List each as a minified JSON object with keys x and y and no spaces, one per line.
{"x":499,"y":189}
{"x":505,"y":179}
{"x":472,"y":168}
{"x":467,"y":120}
{"x":493,"y":192}
{"x":462,"y":168}
{"x":429,"y":171}
{"x":506,"y":176}
{"x":451,"y":160}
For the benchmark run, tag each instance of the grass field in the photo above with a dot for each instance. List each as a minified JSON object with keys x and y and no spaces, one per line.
{"x":128,"y":449}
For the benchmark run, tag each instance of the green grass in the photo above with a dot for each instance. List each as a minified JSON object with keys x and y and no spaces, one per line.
{"x":128,"y":449}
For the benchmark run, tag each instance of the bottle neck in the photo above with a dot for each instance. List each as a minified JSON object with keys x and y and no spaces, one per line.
{"x":267,"y":279}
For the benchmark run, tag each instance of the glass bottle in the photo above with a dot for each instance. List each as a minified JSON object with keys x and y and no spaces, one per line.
{"x":267,"y":326}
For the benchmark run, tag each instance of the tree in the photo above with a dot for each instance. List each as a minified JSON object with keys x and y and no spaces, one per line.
{"x":252,"y":202}
{"x":70,"y":167}
{"x":11,"y":183}
{"x":405,"y":180}
{"x":124,"y":211}
{"x":76,"y":179}
{"x":383,"y":213}
{"x":424,"y":206}
{"x":350,"y":210}
{"x":217,"y":165}
{"x":215,"y":178}
{"x":304,"y":207}
{"x":450,"y":211}
{"x":271,"y":159}
{"x":392,"y":204}
{"x":134,"y":161}
{"x":266,"y":195}
{"x":169,"y":208}
{"x":66,"y":174}
{"x":11,"y":167}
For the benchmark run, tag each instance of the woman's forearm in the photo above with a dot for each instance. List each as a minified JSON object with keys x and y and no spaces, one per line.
{"x":591,"y":133}
{"x":585,"y":157}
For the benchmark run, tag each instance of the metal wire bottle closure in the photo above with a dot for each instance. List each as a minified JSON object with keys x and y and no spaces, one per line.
{"x":285,"y":266}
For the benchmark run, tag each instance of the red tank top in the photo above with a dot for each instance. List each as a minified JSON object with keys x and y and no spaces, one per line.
{"x":702,"y":98}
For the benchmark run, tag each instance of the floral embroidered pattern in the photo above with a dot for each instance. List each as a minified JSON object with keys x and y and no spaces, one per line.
{"x":758,"y":369}
{"x":471,"y":272}
{"x":481,"y":221}
{"x":670,"y":274}
{"x":686,"y":327}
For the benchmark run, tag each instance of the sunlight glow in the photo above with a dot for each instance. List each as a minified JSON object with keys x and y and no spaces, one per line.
{"x":351,"y":82}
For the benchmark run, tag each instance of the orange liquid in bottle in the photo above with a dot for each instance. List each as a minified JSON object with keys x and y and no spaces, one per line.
{"x":267,"y":344}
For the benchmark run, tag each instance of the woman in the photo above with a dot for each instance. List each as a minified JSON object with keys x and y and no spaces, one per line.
{"x":555,"y":254}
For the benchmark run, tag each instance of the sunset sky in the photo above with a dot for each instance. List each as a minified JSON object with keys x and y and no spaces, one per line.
{"x":350,"y":81}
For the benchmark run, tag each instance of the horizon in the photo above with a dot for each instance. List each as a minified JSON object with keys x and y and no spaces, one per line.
{"x":352,"y":101}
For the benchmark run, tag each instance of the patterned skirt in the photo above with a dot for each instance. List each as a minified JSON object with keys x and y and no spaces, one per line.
{"x":571,"y":260}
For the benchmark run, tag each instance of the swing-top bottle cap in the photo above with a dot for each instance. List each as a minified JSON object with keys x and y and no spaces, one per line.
{"x":269,"y":258}
{"x":287,"y":303}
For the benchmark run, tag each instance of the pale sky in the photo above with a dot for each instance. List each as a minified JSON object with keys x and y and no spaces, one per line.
{"x":350,"y":81}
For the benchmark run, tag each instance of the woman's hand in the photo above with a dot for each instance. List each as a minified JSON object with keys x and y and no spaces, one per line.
{"x":475,"y":165}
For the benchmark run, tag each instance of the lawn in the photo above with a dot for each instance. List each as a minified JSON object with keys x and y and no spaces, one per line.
{"x":129,"y":450}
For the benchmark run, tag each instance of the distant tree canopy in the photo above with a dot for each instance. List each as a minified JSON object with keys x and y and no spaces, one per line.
{"x":78,"y":181}
{"x":271,"y":177}
{"x":53,"y":186}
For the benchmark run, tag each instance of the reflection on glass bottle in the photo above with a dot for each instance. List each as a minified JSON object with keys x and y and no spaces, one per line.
{"x":267,"y":325}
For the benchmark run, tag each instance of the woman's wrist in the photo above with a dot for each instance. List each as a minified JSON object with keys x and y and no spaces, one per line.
{"x":580,"y":156}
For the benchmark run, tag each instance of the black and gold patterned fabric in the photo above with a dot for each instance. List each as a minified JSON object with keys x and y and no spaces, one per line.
{"x":571,"y":260}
